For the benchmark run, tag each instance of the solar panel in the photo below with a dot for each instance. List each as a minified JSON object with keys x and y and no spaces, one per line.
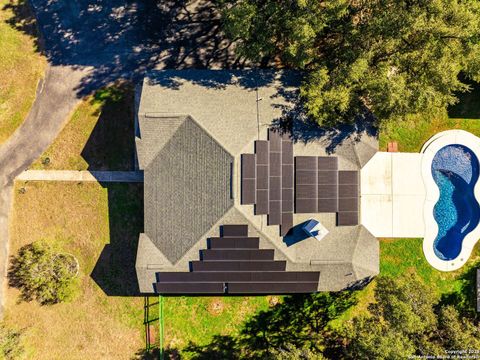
{"x":348,"y":177}
{"x":261,"y":152}
{"x":234,"y":230}
{"x":238,"y":276}
{"x":255,"y":254}
{"x":233,"y":243}
{"x":271,"y":288}
{"x":306,"y":163}
{"x":238,"y":265}
{"x":327,"y":205}
{"x":275,"y":140}
{"x":287,"y":152}
{"x":348,"y":204}
{"x":329,"y":191}
{"x":287,"y":223}
{"x":261,"y":206}
{"x":305,"y":177}
{"x":327,"y":177}
{"x":345,"y":191}
{"x":327,"y":163}
{"x":347,"y":218}
{"x":248,"y":183}
{"x":305,"y":206}
{"x":189,"y":288}
{"x":274,"y":216}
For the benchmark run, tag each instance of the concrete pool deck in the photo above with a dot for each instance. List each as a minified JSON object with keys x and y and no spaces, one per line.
{"x":393,"y":195}
{"x":398,"y":196}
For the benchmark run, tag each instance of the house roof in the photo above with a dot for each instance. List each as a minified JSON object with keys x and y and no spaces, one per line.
{"x":187,"y":184}
{"x":193,"y":126}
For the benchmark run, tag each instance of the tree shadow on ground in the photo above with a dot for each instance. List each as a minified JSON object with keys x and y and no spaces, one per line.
{"x":465,"y":298}
{"x":119,"y":39}
{"x":114,"y":271}
{"x":468,"y":106}
{"x":298,"y":320}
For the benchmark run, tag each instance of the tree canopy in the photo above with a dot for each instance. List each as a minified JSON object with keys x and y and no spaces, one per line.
{"x":389,"y":58}
{"x":43,"y":274}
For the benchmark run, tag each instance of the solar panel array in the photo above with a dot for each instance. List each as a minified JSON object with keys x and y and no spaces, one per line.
{"x":279,"y":184}
{"x":234,"y":264}
{"x":272,"y":190}
{"x":321,"y":188}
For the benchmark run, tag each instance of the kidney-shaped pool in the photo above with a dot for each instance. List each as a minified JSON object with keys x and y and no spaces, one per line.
{"x":450,"y":168}
{"x":457,"y":213}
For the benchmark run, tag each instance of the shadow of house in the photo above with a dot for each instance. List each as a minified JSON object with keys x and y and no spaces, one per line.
{"x":114,"y":271}
{"x":111,"y":145}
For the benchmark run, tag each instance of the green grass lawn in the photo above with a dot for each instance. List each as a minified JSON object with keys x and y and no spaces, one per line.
{"x":412,"y":133}
{"x":199,"y":319}
{"x":21,"y":66}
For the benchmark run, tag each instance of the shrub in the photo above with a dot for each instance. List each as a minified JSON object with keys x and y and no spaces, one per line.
{"x":42,"y":274}
{"x":10,"y":346}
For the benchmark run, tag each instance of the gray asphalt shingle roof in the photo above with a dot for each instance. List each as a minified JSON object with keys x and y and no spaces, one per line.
{"x":187,"y":188}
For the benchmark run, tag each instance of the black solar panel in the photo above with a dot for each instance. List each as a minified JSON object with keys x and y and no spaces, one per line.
{"x":275,"y":141}
{"x":234,"y":230}
{"x":189,"y":288}
{"x":347,"y":218}
{"x":287,"y":223}
{"x":238,"y":265}
{"x":327,"y":163}
{"x":238,"y":276}
{"x":305,"y":206}
{"x":217,"y":254}
{"x":261,"y":152}
{"x":348,"y":204}
{"x":306,"y":163}
{"x":345,"y":191}
{"x":305,"y":177}
{"x":287,"y":152}
{"x":348,"y":177}
{"x":271,"y":288}
{"x":327,"y":177}
{"x":274,"y":216}
{"x":261,"y":206}
{"x":248,"y":182}
{"x":233,"y":243}
{"x":327,"y":205}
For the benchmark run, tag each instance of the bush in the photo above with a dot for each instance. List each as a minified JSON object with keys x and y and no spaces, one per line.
{"x":43,"y":274}
{"x":10,"y":347}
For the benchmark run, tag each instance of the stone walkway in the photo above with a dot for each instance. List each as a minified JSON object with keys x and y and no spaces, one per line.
{"x":73,"y":175}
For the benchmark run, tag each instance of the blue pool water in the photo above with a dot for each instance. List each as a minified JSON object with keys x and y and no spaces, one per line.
{"x":455,"y":171}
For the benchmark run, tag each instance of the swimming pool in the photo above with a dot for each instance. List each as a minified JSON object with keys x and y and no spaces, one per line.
{"x":457,"y":213}
{"x":450,"y":170}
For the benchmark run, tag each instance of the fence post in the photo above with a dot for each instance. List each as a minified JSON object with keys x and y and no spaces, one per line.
{"x":160,"y":323}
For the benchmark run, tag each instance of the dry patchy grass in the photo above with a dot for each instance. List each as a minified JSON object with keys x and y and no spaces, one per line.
{"x":98,"y":136}
{"x":21,"y":66}
{"x":93,"y":326}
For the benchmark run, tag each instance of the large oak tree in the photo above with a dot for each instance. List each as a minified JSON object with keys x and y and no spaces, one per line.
{"x":387,"y":57}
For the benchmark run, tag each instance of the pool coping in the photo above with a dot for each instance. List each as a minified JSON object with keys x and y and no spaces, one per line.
{"x":432,"y":194}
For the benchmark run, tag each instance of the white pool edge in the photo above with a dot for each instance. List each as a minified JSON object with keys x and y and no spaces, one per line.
{"x":432,"y":193}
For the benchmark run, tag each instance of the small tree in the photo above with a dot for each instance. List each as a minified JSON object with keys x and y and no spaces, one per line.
{"x":43,"y":274}
{"x":10,"y":343}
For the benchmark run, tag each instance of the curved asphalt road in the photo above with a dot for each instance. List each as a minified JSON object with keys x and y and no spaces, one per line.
{"x":56,"y":98}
